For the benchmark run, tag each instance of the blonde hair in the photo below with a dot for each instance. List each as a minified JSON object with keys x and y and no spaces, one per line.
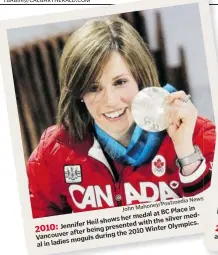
{"x":84,"y":56}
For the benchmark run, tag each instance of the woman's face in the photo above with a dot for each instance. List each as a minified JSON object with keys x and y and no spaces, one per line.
{"x":109,"y":100}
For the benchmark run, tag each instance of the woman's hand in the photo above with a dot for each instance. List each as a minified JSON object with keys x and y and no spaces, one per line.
{"x":182,"y":118}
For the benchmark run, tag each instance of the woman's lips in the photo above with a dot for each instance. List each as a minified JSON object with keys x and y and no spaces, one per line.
{"x":115,"y":115}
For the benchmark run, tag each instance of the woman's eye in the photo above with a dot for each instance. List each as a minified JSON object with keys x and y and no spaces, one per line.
{"x":94,"y":88}
{"x":120,"y":82}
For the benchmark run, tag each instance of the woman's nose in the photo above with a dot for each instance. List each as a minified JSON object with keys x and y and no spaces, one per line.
{"x":110,"y":96}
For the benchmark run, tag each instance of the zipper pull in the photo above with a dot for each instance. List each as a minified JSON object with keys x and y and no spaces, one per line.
{"x":118,"y":196}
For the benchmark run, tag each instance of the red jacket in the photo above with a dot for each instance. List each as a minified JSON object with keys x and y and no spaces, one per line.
{"x":65,"y":177}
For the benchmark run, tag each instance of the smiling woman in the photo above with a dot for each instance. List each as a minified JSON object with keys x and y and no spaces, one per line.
{"x":96,"y":156}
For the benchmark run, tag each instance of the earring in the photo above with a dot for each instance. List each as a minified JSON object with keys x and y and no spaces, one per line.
{"x":82,"y":101}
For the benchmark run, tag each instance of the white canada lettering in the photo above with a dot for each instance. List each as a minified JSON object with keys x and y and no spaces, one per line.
{"x":163,"y":190}
{"x":89,"y":196}
{"x":101,"y":195}
{"x":73,"y":188}
{"x":166,"y":192}
{"x":132,"y":194}
{"x":94,"y":195}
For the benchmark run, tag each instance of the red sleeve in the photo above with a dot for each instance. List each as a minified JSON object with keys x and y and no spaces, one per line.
{"x":200,"y":180}
{"x":41,"y":205}
{"x":44,"y":200}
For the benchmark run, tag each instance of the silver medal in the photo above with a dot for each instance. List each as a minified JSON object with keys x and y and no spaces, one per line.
{"x":149,"y":109}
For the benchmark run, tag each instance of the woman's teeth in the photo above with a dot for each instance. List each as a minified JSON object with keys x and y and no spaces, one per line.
{"x":114,"y":114}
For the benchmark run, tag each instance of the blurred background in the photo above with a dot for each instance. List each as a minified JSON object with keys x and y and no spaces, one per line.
{"x":173,"y":34}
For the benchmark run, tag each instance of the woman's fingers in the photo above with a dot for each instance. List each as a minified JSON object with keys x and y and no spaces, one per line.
{"x":174,"y":117}
{"x":176,"y":95}
{"x":181,"y":112}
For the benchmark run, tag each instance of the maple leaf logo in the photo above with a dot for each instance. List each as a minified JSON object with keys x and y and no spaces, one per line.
{"x":158,"y":163}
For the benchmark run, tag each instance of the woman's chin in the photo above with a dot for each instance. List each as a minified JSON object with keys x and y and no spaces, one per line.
{"x":118,"y":131}
{"x":117,"y":127}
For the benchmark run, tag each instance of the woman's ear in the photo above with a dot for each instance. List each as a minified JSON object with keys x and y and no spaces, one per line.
{"x":81,"y":99}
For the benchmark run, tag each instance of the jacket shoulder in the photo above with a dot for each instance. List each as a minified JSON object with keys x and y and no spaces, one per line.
{"x":203,"y":124}
{"x":204,"y":131}
{"x":47,"y":141}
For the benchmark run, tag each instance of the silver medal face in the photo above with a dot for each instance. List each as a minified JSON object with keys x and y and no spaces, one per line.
{"x":149,"y":109}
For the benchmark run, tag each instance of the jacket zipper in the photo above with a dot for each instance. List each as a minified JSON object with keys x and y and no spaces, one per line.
{"x":118,"y":196}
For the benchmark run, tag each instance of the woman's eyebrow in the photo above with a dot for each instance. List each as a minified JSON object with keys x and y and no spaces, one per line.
{"x":120,"y":75}
{"x":96,"y":83}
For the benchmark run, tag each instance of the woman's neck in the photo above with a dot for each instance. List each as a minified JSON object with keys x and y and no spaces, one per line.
{"x":124,"y":138}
